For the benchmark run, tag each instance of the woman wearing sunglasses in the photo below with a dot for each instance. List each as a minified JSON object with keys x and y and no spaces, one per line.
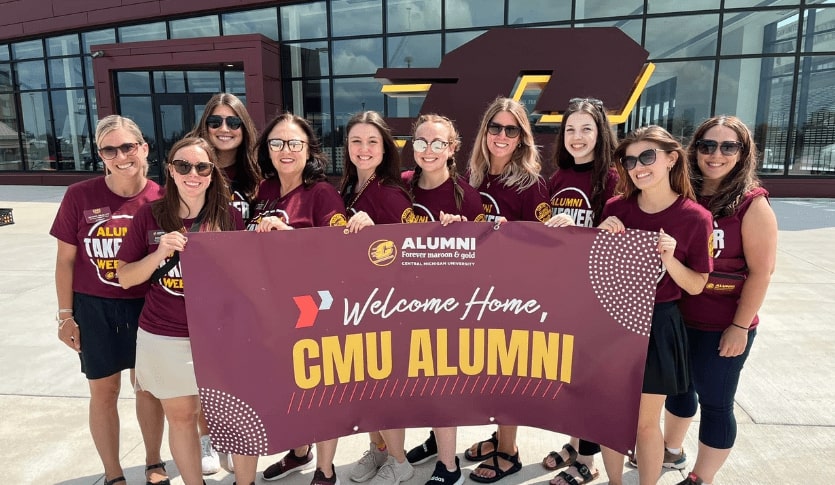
{"x":92,"y":221}
{"x":196,"y":199}
{"x":504,"y":166}
{"x":657,"y":196}
{"x":722,"y":321}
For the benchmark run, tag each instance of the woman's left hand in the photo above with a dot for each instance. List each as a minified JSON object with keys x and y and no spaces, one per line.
{"x":357,"y":222}
{"x":450,"y":218}
{"x":733,"y":341}
{"x":666,"y":247}
{"x":560,"y":220}
{"x":271,"y":223}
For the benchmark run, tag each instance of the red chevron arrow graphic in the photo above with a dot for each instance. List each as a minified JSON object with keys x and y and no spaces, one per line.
{"x":308,"y":309}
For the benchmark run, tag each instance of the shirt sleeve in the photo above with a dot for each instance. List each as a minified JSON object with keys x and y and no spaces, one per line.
{"x":536,"y":202}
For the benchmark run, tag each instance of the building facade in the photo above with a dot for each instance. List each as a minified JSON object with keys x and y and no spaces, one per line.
{"x":65,"y":64}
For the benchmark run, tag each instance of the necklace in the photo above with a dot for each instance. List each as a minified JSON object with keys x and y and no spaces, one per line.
{"x":362,"y":189}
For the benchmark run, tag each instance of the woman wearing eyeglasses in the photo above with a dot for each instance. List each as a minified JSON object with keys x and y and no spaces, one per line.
{"x":96,"y":317}
{"x":294,"y":194}
{"x":196,"y":199}
{"x":722,"y":320}
{"x":657,"y":196}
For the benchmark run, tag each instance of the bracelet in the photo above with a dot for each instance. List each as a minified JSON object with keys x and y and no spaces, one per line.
{"x":740,"y":326}
{"x":60,"y":311}
{"x":63,"y":321}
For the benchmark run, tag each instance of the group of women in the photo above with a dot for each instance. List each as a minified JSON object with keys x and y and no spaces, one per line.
{"x":120,"y":288}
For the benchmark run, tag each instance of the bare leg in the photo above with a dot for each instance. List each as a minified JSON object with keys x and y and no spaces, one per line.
{"x":613,"y":462}
{"x":301,"y":451}
{"x":709,"y":461}
{"x":675,"y":429}
{"x":104,"y":422}
{"x":650,"y":439}
{"x":445,"y":437}
{"x":324,"y":456}
{"x":151,"y":420}
{"x":395,"y":439}
{"x":181,"y":413}
{"x":245,"y":467}
{"x":507,"y":444}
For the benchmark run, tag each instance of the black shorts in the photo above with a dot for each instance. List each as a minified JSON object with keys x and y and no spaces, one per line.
{"x":107,"y":327}
{"x":667,"y":369}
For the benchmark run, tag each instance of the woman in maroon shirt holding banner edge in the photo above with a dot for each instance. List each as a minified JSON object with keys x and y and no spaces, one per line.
{"x":657,"y":196}
{"x":722,"y":320}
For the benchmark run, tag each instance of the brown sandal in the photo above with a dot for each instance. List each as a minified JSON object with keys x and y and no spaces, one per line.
{"x":559,"y":460}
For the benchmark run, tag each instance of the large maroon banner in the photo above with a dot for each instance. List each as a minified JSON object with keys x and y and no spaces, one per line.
{"x":305,"y":335}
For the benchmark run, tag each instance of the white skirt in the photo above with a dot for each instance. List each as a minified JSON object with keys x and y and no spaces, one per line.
{"x":164,"y":366}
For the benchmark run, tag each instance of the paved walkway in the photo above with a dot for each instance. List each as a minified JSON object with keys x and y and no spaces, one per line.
{"x":785,"y":404}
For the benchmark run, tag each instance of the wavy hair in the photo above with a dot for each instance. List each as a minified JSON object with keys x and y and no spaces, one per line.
{"x":454,"y":141}
{"x":743,"y":176}
{"x":524,"y":167}
{"x":215,"y":209}
{"x":314,"y":167}
{"x":111,"y":123}
{"x":679,"y":174}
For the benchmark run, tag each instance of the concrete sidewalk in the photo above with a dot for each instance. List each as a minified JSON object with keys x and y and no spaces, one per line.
{"x":785,"y":403}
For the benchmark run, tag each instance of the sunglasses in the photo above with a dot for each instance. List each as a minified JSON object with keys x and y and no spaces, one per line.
{"x":214,"y":122}
{"x":204,"y":169}
{"x":277,"y":144}
{"x":437,"y":146}
{"x":109,"y":153}
{"x":646,"y":157}
{"x":728,"y":148}
{"x":512,"y":131}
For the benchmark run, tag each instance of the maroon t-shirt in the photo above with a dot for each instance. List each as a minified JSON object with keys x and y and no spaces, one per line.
{"x":164,"y":312}
{"x":95,"y":220}
{"x":429,"y":203}
{"x":499,"y":200}
{"x":383,"y":203}
{"x":315,"y":206}
{"x":715,"y":311}
{"x":686,"y":221}
{"x":238,"y":200}
{"x":570,"y":190}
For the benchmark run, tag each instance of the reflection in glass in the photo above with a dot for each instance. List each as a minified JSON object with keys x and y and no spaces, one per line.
{"x":140,"y":110}
{"x":672,"y":6}
{"x":169,"y":81}
{"x":312,"y":100}
{"x":813,"y":151}
{"x":818,"y":30}
{"x":532,"y":11}
{"x":29,"y":49}
{"x":414,"y":51}
{"x":350,"y":17}
{"x":234,"y":83}
{"x":630,"y":27}
{"x":195,"y":27}
{"x":590,"y":9}
{"x":308,"y":59}
{"x":10,"y":155}
{"x":353,"y":95}
{"x":203,"y":81}
{"x":130,"y":82}
{"x":695,"y":36}
{"x":5,"y":78}
{"x":756,"y":3}
{"x":413,"y":15}
{"x":304,"y":21}
{"x":98,"y":37}
{"x":768,"y":32}
{"x":31,"y":75}
{"x":137,"y":33}
{"x":38,"y":142}
{"x":262,"y":21}
{"x":4,"y":52}
{"x":66,"y":45}
{"x":65,"y":73}
{"x":474,"y":13}
{"x":69,"y":111}
{"x":357,"y":56}
{"x":455,"y":40}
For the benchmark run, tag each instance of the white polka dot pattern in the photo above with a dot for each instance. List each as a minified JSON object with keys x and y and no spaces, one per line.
{"x":236,"y":427}
{"x":620,"y":268}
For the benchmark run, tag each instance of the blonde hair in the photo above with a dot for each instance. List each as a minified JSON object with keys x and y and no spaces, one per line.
{"x":111,"y":123}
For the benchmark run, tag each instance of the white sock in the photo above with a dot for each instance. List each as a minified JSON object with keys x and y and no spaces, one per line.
{"x":676,"y":451}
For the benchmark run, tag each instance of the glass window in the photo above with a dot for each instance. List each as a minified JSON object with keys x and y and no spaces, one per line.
{"x":309,"y":59}
{"x":39,"y":147}
{"x":88,"y":71}
{"x":631,"y":27}
{"x":305,"y":21}
{"x":262,"y":21}
{"x":413,"y":15}
{"x":357,"y":56}
{"x":677,"y":97}
{"x":4,"y":52}
{"x":98,"y":37}
{"x":10,"y":154}
{"x":664,"y":6}
{"x":30,"y":49}
{"x":234,"y":83}
{"x":5,"y":79}
{"x":813,"y":150}
{"x":592,"y":9}
{"x":757,"y":3}
{"x":404,"y":106}
{"x":414,"y":51}
{"x":190,"y":28}
{"x":455,"y":40}
{"x":31,"y":75}
{"x":312,"y":100}
{"x":203,"y":81}
{"x":768,"y":32}
{"x":170,"y":82}
{"x":129,"y":82}
{"x":350,"y":17}
{"x":138,"y":33}
{"x":66,"y":45}
{"x":696,"y":36}
{"x":474,"y":13}
{"x":69,"y":110}
{"x":65,"y":73}
{"x":532,"y":11}
{"x":140,"y":109}
{"x":353,"y":95}
{"x":819,"y":30}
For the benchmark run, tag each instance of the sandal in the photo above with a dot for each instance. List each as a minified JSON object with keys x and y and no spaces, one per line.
{"x":515,"y":466}
{"x":559,"y":460}
{"x":483,"y":456}
{"x":586,"y":475}
{"x":164,"y":481}
{"x":115,"y":480}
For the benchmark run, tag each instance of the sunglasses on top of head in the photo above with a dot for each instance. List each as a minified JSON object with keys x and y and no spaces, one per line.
{"x":437,"y":146}
{"x":232,"y":122}
{"x":727,"y":148}
{"x":109,"y":153}
{"x":182,"y":167}
{"x":511,"y":131}
{"x":646,"y":157}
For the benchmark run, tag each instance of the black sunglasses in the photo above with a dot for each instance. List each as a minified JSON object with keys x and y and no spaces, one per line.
{"x":109,"y":153}
{"x":214,"y":122}
{"x":728,"y":148}
{"x":420,"y":145}
{"x":512,"y":131}
{"x":204,"y":169}
{"x":646,"y":157}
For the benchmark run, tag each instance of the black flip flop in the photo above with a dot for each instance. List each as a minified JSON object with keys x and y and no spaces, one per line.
{"x":516,"y":465}
{"x":483,"y":456}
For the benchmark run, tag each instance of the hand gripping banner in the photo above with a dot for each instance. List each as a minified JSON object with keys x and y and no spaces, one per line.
{"x":305,"y":335}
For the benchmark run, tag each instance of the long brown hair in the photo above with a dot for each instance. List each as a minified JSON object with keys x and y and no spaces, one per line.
{"x":740,"y":180}
{"x":216,"y":207}
{"x":679,"y":174}
{"x":314,"y":167}
{"x":454,"y":141}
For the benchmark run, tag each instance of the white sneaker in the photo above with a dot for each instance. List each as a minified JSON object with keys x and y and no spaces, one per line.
{"x":367,"y":466}
{"x":392,"y":473}
{"x":209,"y":459}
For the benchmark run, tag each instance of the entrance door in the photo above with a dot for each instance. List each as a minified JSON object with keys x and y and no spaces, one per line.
{"x":174,"y":116}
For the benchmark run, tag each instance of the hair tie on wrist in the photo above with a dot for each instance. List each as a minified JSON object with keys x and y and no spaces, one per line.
{"x":740,"y":326}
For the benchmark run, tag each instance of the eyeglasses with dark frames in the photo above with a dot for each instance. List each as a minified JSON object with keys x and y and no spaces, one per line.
{"x":109,"y":153}
{"x":232,"y":122}
{"x":182,"y":167}
{"x":277,"y":144}
{"x":437,"y":146}
{"x":646,"y":157}
{"x":511,"y":131}
{"x":727,"y":148}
